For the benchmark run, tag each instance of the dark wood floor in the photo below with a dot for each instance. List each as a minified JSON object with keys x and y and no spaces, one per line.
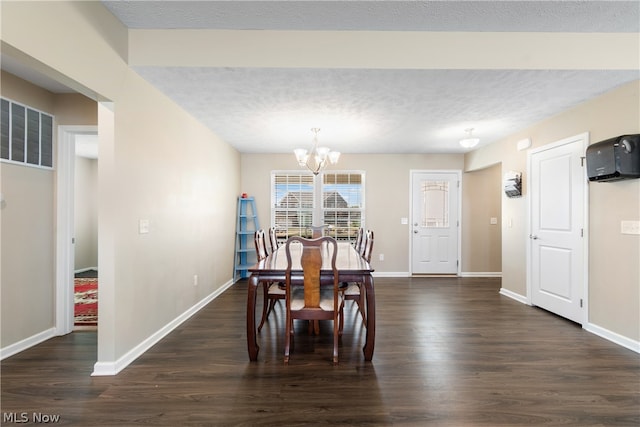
{"x":449,"y":352}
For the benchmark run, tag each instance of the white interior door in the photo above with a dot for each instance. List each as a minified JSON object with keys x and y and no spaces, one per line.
{"x":434,"y":222}
{"x":557,"y":184}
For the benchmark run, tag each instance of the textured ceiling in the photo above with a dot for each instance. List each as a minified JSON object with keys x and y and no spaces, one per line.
{"x":365,"y":110}
{"x":373,"y":111}
{"x":353,"y":15}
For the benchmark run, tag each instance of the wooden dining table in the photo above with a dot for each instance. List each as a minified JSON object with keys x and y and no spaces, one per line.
{"x":351,"y":268}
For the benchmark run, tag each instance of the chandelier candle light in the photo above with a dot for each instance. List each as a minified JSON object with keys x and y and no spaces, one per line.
{"x":318,"y":158}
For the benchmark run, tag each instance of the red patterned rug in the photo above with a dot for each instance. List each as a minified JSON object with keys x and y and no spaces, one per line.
{"x":86,"y":302}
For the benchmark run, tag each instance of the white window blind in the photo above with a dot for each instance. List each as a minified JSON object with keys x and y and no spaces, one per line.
{"x":334,"y":199}
{"x":343,"y":203}
{"x":292,"y":203}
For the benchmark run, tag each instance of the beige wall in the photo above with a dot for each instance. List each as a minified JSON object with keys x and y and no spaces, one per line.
{"x":27,"y":289}
{"x":28,"y":221}
{"x":156,"y":163}
{"x":481,"y":240}
{"x":26,"y":232}
{"x":387,"y":184}
{"x":74,"y":109}
{"x":86,"y":213}
{"x":387,"y":187}
{"x":614,"y":259}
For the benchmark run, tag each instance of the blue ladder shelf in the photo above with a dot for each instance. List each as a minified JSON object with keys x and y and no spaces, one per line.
{"x":246,"y":226}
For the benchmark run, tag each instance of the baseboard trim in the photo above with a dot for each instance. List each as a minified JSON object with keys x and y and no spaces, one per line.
{"x":82,"y":270}
{"x":26,"y":343}
{"x":113,"y":368}
{"x":589,"y":327}
{"x":481,"y":274}
{"x":510,"y":294}
{"x":463,"y":274}
{"x":613,"y":337}
{"x":391,"y":274}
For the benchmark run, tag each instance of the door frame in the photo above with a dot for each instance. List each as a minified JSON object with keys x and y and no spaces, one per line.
{"x":65,"y":253}
{"x":412,"y":173}
{"x":582,"y":138}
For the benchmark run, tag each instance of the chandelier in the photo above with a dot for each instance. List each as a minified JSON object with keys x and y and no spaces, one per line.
{"x":318,"y":158}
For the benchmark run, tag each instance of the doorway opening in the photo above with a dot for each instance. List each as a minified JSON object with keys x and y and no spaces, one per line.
{"x":86,"y":232}
{"x":76,"y":209}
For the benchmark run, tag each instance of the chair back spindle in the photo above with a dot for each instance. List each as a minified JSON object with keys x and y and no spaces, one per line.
{"x":261,"y":244}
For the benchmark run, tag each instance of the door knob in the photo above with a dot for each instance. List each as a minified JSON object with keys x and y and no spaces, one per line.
{"x":415,"y":231}
{"x":533,"y":237}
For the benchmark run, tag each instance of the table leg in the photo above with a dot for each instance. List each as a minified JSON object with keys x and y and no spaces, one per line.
{"x":252,"y":344}
{"x":371,"y":318}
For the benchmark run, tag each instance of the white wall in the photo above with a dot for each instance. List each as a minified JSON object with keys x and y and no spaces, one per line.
{"x":86,"y":213}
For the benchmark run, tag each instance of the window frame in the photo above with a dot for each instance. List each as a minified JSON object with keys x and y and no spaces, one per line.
{"x":352,"y":231}
{"x":318,"y":210}
{"x":40,"y":139}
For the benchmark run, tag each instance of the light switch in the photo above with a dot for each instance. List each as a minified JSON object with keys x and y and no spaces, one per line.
{"x":143,"y":226}
{"x":630,"y":227}
{"x":404,"y":221}
{"x":494,"y":221}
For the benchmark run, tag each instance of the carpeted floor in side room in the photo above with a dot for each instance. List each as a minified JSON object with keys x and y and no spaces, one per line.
{"x":86,"y":300}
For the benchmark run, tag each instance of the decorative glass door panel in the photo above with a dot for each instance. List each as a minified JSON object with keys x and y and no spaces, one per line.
{"x":434,"y":231}
{"x":435,"y":204}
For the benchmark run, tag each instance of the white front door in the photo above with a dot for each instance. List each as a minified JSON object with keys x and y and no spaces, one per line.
{"x":557,"y":185}
{"x":434,"y":222}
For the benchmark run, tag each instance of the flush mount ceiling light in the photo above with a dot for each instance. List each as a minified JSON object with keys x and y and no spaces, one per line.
{"x":318,"y":158}
{"x":469,"y":141}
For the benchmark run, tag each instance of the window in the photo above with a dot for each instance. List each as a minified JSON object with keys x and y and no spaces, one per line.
{"x":334,"y":199}
{"x":26,"y":135}
{"x":343,"y":203}
{"x":435,"y":204}
{"x":292,"y":202}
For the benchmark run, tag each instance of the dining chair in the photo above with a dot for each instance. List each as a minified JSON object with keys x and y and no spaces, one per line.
{"x":273,"y":240}
{"x":368,"y":246}
{"x":359,"y":239}
{"x":317,"y":231}
{"x":353,"y":291}
{"x":272,"y":292}
{"x":305,"y":297}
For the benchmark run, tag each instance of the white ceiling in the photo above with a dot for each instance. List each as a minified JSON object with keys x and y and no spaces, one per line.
{"x":364,"y":110}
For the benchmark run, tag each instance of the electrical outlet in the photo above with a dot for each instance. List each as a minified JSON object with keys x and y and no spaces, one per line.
{"x":195,"y":280}
{"x":381,"y":257}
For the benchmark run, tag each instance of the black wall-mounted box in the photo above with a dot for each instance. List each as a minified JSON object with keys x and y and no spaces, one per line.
{"x":614,"y":159}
